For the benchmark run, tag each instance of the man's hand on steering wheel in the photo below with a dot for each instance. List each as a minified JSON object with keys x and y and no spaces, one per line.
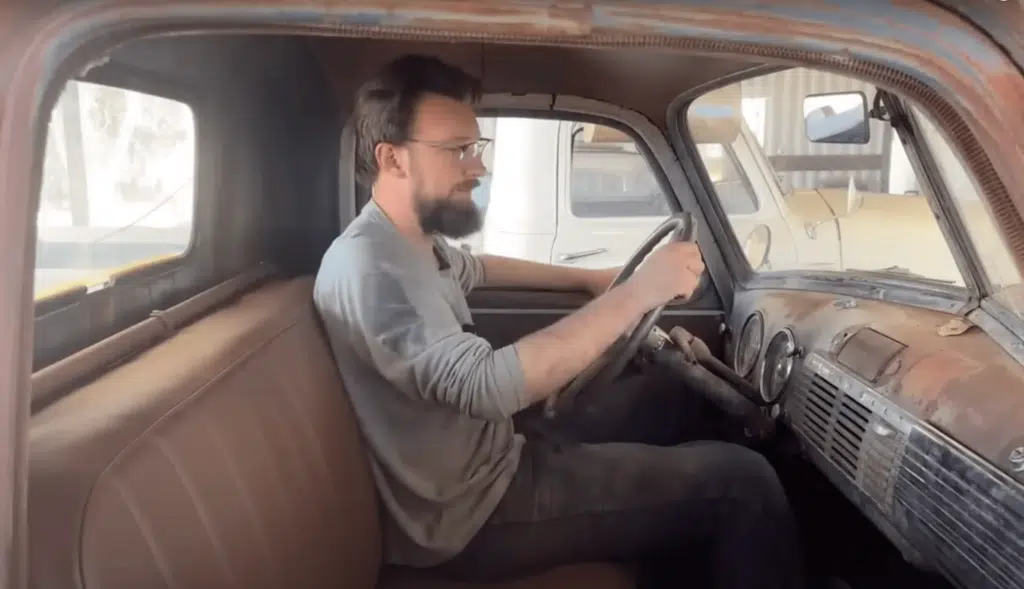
{"x":669,"y":272}
{"x":654,"y":276}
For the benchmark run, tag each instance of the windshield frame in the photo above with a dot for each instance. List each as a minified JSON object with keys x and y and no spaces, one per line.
{"x":894,"y":287}
{"x":936,"y":192}
{"x":995,"y":314}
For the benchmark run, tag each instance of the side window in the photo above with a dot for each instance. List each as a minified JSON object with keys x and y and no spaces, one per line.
{"x":833,"y":196}
{"x":610,"y":178}
{"x":117,"y":187}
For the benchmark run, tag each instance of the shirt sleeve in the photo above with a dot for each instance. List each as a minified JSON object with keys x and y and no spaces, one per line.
{"x":467,"y":268}
{"x":415,"y":341}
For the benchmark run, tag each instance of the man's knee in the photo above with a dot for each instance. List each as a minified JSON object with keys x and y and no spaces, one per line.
{"x":740,"y":473}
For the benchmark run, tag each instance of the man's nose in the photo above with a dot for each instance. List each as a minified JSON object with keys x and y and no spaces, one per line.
{"x":475,"y":167}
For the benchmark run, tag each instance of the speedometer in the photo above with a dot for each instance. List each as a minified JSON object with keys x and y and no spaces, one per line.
{"x":778,"y":365}
{"x":748,"y":347}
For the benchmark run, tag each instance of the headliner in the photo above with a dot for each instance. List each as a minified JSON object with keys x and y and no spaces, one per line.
{"x":642,"y":79}
{"x":645,"y":80}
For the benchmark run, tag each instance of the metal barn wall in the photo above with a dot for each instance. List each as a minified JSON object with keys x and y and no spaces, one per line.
{"x":802,"y":164}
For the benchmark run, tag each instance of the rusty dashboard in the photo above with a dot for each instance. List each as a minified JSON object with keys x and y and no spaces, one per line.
{"x":915,"y":415}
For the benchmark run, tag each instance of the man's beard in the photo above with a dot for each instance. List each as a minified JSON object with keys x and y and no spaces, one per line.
{"x":447,"y":216}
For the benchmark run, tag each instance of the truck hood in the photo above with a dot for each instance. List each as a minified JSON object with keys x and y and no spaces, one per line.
{"x":888,"y":230}
{"x":808,"y":204}
{"x":900,"y":229}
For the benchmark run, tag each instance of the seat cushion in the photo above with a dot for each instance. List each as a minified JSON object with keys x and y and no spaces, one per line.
{"x":225,"y":456}
{"x":583,"y":576}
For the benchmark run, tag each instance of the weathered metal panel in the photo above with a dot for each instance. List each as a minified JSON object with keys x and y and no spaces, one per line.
{"x":1002,"y":20}
{"x":964,"y":385}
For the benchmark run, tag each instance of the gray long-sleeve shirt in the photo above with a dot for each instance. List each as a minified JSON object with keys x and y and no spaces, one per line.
{"x":434,"y":401}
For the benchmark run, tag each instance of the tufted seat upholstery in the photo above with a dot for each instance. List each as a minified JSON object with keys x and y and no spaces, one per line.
{"x":224,"y":456}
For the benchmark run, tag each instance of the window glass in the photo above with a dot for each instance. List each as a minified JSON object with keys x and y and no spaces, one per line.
{"x":564,"y":192}
{"x":823,"y":206}
{"x":118,"y":185}
{"x":610,"y":177}
{"x":995,"y":257}
{"x":732,"y":188}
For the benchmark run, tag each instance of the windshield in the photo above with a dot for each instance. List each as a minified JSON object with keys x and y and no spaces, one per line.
{"x":847,"y":208}
{"x":733,"y":188}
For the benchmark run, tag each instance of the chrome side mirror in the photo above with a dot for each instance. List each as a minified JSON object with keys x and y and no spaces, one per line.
{"x":838,"y":118}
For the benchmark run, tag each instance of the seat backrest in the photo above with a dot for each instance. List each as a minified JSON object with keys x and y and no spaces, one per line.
{"x":225,"y":456}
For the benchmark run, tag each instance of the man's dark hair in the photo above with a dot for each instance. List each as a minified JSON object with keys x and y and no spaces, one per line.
{"x":386,"y":104}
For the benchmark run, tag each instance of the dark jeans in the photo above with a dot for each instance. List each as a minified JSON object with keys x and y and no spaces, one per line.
{"x":709,"y":511}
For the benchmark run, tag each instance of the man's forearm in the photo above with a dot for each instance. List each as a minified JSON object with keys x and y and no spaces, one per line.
{"x":502,"y":272}
{"x":554,"y":355}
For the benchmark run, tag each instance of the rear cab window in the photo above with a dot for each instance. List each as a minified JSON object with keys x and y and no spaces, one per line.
{"x":118,"y":187}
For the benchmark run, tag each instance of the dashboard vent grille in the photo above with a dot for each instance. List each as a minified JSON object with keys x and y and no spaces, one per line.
{"x":833,"y":422}
{"x":815,"y":410}
{"x":971,"y":517}
{"x":882,"y":451}
{"x":848,"y":435}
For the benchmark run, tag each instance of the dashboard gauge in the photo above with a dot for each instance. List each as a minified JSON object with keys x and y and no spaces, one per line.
{"x":748,"y":347}
{"x":779,"y":356}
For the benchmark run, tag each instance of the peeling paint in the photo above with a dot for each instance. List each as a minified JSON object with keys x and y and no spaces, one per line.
{"x":966,"y":386}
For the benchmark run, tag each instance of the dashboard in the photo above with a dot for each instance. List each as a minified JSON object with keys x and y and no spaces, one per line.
{"x":916,"y":417}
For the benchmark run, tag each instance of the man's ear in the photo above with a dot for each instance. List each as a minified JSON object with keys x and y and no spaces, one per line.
{"x":390,"y":159}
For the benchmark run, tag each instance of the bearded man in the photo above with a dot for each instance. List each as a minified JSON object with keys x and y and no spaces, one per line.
{"x":463,"y":490}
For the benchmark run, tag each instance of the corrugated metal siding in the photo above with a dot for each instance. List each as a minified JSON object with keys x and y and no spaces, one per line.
{"x":784,"y":127}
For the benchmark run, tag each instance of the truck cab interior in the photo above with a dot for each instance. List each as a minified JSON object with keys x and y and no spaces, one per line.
{"x":186,"y":423}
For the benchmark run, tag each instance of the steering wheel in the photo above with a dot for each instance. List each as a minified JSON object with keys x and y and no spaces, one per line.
{"x":611,"y":362}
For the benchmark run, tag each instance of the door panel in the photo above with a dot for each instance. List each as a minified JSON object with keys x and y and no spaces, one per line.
{"x":504,"y":316}
{"x":600,"y":243}
{"x":609,"y":201}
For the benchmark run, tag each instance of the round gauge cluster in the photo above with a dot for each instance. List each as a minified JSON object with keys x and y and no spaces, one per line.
{"x":748,"y":347}
{"x":778,"y":365}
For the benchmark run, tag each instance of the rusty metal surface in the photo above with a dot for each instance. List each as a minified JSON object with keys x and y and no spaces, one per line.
{"x":1003,"y":20}
{"x":652,"y":77}
{"x":869,"y":353}
{"x":977,"y":81}
{"x":964,"y":385}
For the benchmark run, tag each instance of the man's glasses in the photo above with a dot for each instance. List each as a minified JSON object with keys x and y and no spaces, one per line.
{"x":463,"y":151}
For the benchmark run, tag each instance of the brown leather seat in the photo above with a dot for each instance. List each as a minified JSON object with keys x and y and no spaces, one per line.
{"x":225,"y":456}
